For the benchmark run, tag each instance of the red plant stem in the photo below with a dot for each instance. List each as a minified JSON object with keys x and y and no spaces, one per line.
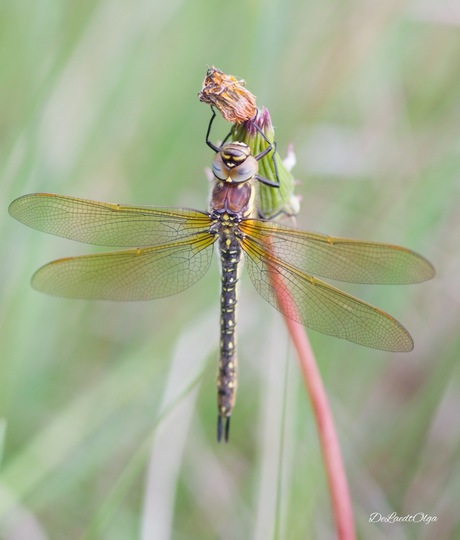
{"x":337,"y":480}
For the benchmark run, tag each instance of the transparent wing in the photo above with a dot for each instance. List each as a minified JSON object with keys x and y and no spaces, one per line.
{"x":106,"y":224}
{"x":320,"y":306}
{"x":135,"y":274}
{"x":340,"y":258}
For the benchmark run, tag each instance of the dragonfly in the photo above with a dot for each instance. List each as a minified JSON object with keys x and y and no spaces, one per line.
{"x":167,"y":250}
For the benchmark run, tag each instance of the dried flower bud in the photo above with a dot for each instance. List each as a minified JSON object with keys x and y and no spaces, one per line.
{"x":229,"y":95}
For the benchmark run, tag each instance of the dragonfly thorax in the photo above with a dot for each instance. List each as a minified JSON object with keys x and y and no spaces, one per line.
{"x":235,"y":199}
{"x":234,"y":163}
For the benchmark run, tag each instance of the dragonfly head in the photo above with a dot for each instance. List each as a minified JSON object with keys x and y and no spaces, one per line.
{"x":234,"y":163}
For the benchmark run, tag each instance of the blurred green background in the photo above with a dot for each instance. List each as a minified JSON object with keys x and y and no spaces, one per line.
{"x":108,"y":410}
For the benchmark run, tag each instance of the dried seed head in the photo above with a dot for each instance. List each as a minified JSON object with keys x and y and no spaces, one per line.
{"x":229,"y":95}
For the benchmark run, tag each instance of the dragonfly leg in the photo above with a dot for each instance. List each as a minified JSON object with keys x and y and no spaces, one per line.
{"x":227,"y":137}
{"x":270,"y":147}
{"x":280,"y":212}
{"x":266,"y":181}
{"x":208,"y":142}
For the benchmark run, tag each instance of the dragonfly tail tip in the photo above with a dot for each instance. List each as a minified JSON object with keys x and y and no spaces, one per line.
{"x":221,"y":430}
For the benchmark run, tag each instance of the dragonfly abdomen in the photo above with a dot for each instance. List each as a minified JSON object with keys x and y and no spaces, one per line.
{"x":230,"y":254}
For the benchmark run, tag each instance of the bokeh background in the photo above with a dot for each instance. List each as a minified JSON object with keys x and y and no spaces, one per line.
{"x":107,"y":410}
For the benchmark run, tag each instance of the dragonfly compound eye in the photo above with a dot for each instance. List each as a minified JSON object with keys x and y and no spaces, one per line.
{"x":233,"y":154}
{"x":219,"y":169}
{"x":234,"y":163}
{"x":244,"y":172}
